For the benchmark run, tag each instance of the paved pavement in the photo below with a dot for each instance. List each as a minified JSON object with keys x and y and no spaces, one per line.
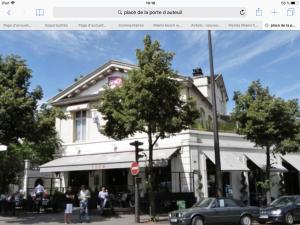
{"x":58,"y":219}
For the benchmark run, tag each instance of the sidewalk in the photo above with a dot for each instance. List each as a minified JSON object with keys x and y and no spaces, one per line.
{"x":58,"y":219}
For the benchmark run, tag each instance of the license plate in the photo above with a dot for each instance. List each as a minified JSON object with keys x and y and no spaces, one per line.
{"x":264,"y":216}
{"x":174,"y":220}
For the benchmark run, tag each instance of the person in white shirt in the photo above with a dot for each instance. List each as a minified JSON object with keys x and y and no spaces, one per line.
{"x":39,"y":189}
{"x":38,"y":192}
{"x":103,"y":197}
{"x":84,"y":196}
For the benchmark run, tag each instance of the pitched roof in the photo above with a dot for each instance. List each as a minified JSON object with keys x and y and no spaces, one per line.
{"x":90,"y":78}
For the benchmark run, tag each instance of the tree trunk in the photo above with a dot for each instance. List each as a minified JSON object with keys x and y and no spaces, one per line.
{"x":151,"y":179}
{"x":268,"y":176}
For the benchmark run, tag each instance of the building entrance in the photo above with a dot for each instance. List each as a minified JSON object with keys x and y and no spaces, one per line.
{"x":116,"y":180}
{"x":78,"y":178}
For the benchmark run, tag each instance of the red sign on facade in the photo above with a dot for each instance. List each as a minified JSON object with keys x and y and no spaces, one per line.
{"x":135,"y":169}
{"x":115,"y":81}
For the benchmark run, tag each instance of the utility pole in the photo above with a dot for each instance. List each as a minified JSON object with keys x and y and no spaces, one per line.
{"x":137,"y":181}
{"x":219,"y":186}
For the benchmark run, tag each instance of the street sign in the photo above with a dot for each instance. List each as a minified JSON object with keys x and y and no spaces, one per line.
{"x":3,"y":148}
{"x":135,"y":169}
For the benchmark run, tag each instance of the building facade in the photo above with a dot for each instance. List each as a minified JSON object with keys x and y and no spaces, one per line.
{"x":184,"y":162}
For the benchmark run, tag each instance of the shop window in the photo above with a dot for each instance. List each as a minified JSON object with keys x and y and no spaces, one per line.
{"x":80,"y":126}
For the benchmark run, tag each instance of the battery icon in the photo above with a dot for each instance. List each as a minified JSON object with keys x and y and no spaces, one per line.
{"x":293,"y":3}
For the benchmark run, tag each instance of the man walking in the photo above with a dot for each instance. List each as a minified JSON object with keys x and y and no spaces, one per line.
{"x":84,"y":196}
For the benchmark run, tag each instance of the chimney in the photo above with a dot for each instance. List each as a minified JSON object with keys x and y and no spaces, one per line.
{"x":197,"y":72}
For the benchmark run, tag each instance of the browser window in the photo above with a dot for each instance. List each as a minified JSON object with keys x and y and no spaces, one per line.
{"x":66,"y":54}
{"x":154,"y":15}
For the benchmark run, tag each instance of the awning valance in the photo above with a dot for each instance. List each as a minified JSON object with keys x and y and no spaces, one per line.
{"x":230,"y":161}
{"x":260,"y":159}
{"x":293,"y":159}
{"x":77,"y":107}
{"x":111,"y":160}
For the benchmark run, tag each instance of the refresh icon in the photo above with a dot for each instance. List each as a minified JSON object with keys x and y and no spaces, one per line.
{"x":242,"y":12}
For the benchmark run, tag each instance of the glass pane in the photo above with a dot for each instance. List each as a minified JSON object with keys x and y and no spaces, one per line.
{"x":83,"y":128}
{"x":78,"y":129}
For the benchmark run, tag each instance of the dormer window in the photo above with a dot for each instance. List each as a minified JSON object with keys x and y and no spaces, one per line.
{"x":80,"y":125}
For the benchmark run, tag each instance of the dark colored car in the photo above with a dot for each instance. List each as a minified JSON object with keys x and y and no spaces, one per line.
{"x":285,"y":209}
{"x":213,"y":211}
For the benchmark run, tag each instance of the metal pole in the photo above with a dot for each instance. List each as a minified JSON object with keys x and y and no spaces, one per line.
{"x":136,"y":201}
{"x":219,"y":187}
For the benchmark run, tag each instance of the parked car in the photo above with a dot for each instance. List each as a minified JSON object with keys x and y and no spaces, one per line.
{"x":285,"y":209}
{"x":213,"y":211}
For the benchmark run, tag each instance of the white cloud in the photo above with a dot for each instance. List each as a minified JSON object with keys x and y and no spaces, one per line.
{"x":283,"y":57}
{"x":267,"y":43}
{"x":289,"y":89}
{"x":71,"y":43}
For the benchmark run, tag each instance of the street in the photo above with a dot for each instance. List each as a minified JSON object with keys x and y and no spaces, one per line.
{"x":57,"y":219}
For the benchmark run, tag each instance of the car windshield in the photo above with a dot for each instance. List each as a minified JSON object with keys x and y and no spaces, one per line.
{"x":283,"y":201}
{"x":203,"y":203}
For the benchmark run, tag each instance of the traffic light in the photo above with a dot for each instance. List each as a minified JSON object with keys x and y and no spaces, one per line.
{"x":138,"y":150}
{"x":138,"y":154}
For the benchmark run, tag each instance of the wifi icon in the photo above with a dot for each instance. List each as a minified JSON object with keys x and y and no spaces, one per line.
{"x":12,"y":2}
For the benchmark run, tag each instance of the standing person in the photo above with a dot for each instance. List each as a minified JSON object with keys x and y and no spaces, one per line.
{"x":84,"y":196}
{"x":69,"y":197}
{"x":39,"y":192}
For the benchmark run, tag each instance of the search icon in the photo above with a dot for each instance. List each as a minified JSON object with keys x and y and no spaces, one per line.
{"x":120,"y":12}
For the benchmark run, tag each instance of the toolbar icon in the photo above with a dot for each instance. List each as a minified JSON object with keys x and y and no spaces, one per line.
{"x":290,"y":12}
{"x":274,"y":12}
{"x":259,"y":12}
{"x":39,"y":12}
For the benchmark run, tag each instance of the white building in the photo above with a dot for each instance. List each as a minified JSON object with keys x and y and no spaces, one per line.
{"x":184,"y":162}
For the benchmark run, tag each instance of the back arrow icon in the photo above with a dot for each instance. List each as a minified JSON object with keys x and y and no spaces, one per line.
{"x":8,"y":12}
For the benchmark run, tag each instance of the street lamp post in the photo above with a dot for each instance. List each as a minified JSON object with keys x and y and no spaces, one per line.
{"x":219,"y":187}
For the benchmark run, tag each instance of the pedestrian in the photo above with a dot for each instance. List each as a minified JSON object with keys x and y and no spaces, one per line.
{"x":39,"y":192}
{"x":84,"y":196}
{"x":103,"y":198}
{"x":69,"y":197}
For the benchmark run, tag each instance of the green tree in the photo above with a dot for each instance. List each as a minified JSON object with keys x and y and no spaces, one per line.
{"x":28,"y":132}
{"x":149,"y":101}
{"x":270,"y":122}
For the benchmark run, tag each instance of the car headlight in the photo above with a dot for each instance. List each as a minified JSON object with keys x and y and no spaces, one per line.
{"x":170,"y":215}
{"x":182,"y":214}
{"x":276,"y":212}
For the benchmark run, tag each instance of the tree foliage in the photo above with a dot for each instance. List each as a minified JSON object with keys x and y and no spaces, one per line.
{"x":28,"y":131}
{"x":148,"y":101}
{"x":270,"y":122}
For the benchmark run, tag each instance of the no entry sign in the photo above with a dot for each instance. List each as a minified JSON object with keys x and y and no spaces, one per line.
{"x":135,"y":169}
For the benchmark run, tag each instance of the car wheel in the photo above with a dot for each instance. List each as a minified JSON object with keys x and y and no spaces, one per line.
{"x":246,"y":220}
{"x":197,"y":220}
{"x":289,"y":219}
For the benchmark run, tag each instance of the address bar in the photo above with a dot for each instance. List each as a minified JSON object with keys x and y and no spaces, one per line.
{"x":136,"y":12}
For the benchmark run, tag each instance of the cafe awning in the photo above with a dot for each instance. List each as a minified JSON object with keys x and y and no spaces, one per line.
{"x":111,"y":160}
{"x":259,"y":159}
{"x":293,"y":159}
{"x":230,"y":161}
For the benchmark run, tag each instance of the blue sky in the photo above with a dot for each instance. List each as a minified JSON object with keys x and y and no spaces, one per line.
{"x":57,"y":57}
